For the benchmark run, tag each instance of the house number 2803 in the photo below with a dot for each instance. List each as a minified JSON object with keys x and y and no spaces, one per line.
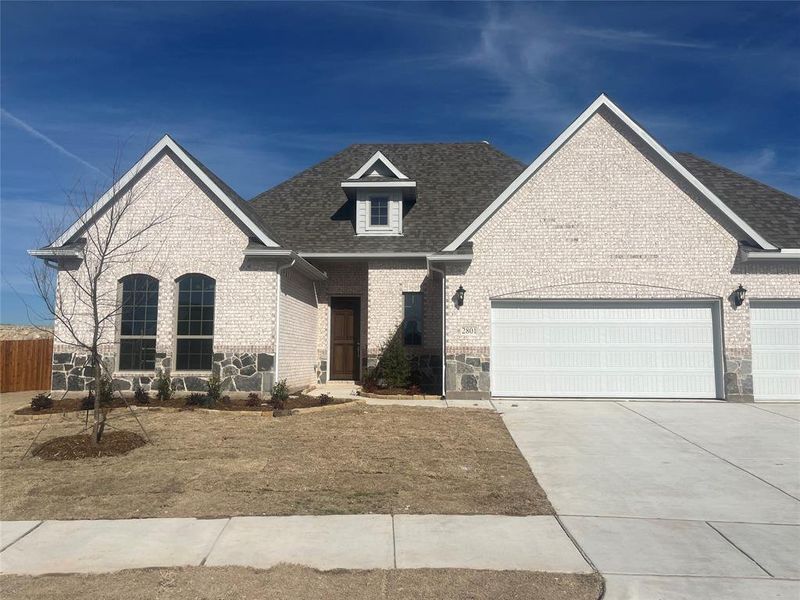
{"x":469,"y":330}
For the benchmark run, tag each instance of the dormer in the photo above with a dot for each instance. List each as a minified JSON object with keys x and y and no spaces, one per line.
{"x":379,"y":190}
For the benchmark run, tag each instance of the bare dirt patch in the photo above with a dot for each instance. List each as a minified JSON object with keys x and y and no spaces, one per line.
{"x":289,"y":582}
{"x":355,"y":459}
{"x":74,"y":447}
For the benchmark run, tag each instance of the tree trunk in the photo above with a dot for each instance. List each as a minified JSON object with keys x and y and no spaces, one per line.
{"x":97,"y":428}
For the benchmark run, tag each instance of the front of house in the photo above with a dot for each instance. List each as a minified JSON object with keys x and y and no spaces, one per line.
{"x":608,"y":267}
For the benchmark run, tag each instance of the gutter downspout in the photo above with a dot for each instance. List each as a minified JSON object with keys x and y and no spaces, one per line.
{"x":444,"y":327}
{"x":278,"y":311}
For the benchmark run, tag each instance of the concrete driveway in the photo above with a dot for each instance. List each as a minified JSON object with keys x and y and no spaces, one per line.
{"x":672,"y":500}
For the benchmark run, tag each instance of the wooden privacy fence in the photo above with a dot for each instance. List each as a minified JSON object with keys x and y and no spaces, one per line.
{"x":25,"y":364}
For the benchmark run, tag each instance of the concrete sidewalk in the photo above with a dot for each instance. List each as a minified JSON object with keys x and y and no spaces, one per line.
{"x":536,"y":543}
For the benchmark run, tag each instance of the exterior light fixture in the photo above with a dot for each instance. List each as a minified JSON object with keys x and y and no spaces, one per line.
{"x":738,"y":295}
{"x":460,"y":295}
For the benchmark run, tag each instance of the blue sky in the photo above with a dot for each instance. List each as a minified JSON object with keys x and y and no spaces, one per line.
{"x":259,"y":91}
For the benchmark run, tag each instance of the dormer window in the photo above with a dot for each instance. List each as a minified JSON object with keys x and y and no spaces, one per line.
{"x":379,"y":211}
{"x":379,"y":189}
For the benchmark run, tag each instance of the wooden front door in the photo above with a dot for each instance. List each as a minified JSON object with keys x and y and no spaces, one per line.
{"x":345,"y":327}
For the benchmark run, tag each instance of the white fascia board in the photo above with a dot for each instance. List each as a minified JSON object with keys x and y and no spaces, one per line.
{"x":347,"y":255}
{"x":451,"y":258}
{"x":601,"y":101}
{"x":300,"y":263}
{"x":366,"y":183}
{"x":378,"y":156}
{"x":782,"y":254}
{"x":55,"y":253}
{"x":164,"y":142}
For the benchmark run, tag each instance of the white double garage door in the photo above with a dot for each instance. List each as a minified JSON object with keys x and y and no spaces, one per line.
{"x":636,"y":349}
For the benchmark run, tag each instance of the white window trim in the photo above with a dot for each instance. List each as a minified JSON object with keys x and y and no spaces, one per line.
{"x":372,"y":226}
{"x":395,"y":198}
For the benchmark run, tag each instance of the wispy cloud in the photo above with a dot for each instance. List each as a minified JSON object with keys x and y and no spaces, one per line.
{"x":548,"y":67}
{"x":50,"y":142}
{"x":637,"y":38}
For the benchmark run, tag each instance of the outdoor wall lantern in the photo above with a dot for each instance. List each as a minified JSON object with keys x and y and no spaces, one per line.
{"x":460,"y":295}
{"x":738,"y":295}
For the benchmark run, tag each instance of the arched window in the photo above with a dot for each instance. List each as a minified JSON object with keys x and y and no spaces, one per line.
{"x":138,"y":322}
{"x":195,"y":347}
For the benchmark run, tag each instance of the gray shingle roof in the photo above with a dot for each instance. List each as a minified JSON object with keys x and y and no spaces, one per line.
{"x":455,"y":182}
{"x":772,"y":213}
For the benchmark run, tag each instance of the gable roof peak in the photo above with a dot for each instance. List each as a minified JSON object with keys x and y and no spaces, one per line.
{"x":218,"y":188}
{"x":603,"y":101}
{"x":370,"y":167}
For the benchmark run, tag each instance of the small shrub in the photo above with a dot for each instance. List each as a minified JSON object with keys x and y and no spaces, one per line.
{"x":325,"y":399}
{"x":197,"y":399}
{"x":41,"y":402}
{"x":393,"y":366}
{"x":280,"y":394}
{"x":106,"y":396}
{"x":140,"y":396}
{"x":214,"y":389}
{"x":369,"y":382}
{"x":225,"y":400}
{"x":88,"y":402}
{"x":164,"y":386}
{"x":253,"y":399}
{"x":414,"y":390}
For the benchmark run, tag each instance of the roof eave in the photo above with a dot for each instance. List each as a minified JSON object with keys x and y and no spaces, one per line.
{"x":290,"y":255}
{"x":780,"y":254}
{"x":379,"y":184}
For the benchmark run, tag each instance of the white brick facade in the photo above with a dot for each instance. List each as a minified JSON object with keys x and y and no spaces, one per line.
{"x":297,"y":353}
{"x":601,"y":220}
{"x":379,"y":284}
{"x":388,"y":280}
{"x":197,"y":237}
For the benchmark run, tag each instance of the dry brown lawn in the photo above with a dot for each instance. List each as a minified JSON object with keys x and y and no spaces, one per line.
{"x":349,"y":459}
{"x":288,"y":582}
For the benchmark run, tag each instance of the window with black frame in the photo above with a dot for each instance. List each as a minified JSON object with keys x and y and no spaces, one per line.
{"x":412,"y":318}
{"x":138,"y":323}
{"x":195,"y":339}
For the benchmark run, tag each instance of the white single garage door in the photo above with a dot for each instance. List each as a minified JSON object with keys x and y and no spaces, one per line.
{"x":775,"y":334}
{"x":605,"y":349}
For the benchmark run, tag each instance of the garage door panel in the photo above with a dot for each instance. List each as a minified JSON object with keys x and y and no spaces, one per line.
{"x":775,"y":338}
{"x":614,"y":350}
{"x":519,"y":357}
{"x":589,"y":332}
{"x":605,"y":384}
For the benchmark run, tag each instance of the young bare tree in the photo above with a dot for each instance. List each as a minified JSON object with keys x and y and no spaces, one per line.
{"x":77,"y":281}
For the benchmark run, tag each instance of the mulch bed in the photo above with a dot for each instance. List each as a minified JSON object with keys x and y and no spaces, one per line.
{"x":398,"y":391}
{"x":231,"y":404}
{"x":73,"y":447}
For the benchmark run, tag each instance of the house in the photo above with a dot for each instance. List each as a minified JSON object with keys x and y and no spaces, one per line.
{"x":608,"y":267}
